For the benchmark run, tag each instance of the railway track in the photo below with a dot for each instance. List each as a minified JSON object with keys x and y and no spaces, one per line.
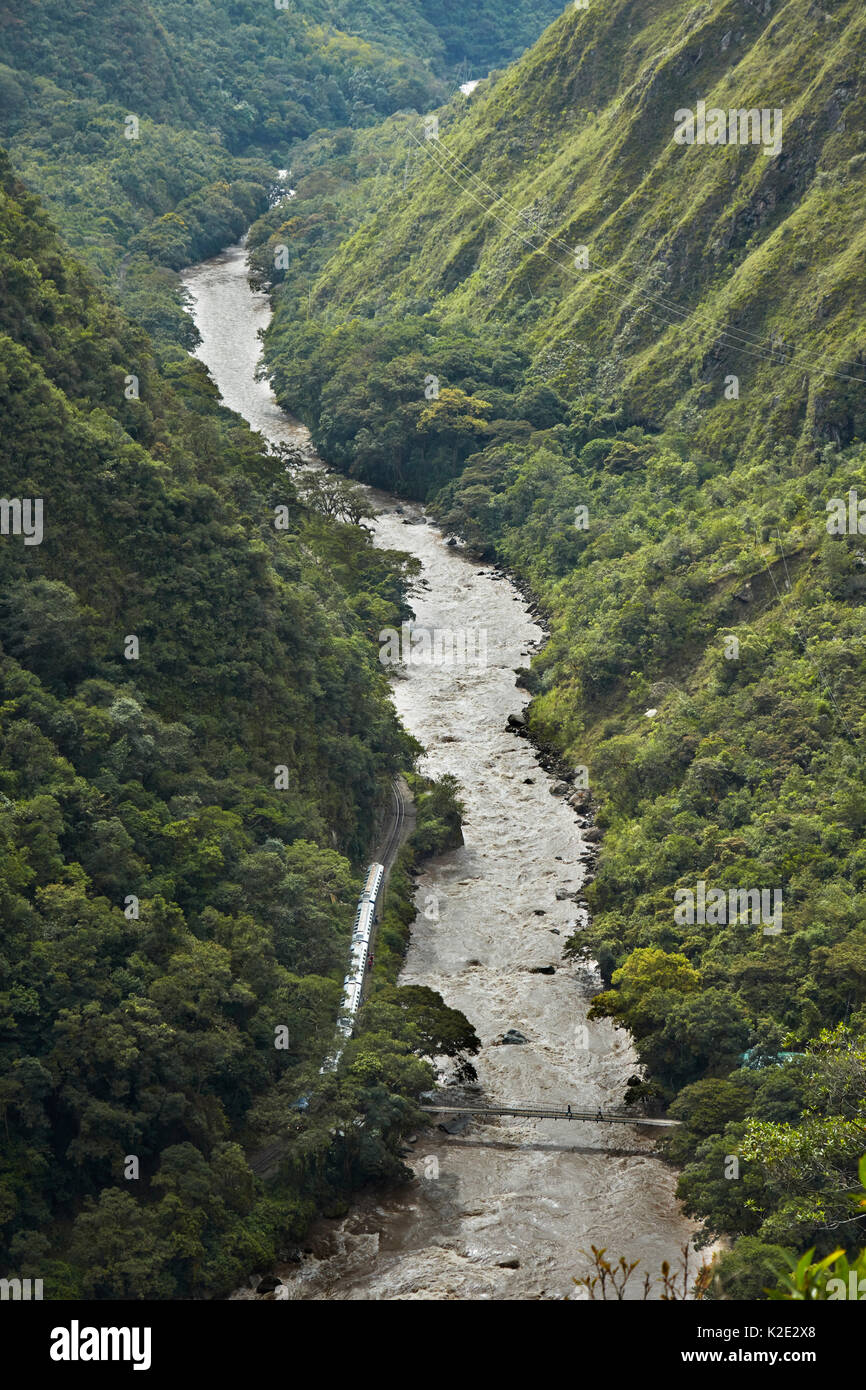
{"x":389,"y":853}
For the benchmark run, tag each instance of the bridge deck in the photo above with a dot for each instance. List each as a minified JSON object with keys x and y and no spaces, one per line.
{"x":540,"y":1112}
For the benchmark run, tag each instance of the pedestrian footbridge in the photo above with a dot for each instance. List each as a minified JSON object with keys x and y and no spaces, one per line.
{"x":543,"y":1112}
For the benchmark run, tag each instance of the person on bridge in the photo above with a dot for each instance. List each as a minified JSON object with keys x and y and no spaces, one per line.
{"x":569,"y":1112}
{"x":599,"y":1116}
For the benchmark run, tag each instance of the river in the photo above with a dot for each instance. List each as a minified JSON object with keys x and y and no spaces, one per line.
{"x":504,"y":1209}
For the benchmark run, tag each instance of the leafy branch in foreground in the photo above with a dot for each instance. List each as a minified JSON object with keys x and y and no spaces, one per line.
{"x":609,"y":1281}
{"x":832,"y":1279}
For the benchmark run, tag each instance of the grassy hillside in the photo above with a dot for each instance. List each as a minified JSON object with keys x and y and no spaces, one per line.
{"x":702,"y":261}
{"x":706,"y":660}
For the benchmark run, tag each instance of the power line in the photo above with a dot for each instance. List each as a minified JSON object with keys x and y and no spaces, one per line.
{"x":736,"y":339}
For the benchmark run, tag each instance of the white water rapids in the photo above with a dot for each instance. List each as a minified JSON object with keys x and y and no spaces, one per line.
{"x":503,"y":1210}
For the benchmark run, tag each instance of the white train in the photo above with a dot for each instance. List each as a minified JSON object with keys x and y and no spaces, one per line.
{"x":362,"y":933}
{"x":359,"y":953}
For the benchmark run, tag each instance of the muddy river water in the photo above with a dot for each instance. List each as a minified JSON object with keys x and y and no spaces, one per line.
{"x":503,"y":1209}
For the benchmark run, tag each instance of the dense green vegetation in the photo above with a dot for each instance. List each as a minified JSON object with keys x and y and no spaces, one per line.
{"x":183,"y":824}
{"x":220,"y":91}
{"x":706,"y":659}
{"x":166,"y":907}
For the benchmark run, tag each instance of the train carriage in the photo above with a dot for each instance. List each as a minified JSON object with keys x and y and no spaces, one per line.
{"x":359,"y":952}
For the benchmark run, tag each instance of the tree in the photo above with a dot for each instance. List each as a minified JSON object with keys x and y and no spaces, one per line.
{"x":747,"y":1271}
{"x":117,"y":1243}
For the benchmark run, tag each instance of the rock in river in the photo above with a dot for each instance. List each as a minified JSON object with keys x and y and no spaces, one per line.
{"x":269,"y":1283}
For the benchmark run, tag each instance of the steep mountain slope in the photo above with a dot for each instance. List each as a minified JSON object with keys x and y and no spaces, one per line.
{"x":659,"y":443}
{"x":152,"y":131}
{"x":703,"y":261}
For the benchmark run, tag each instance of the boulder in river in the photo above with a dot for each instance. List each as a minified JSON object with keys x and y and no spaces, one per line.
{"x":592,"y":835}
{"x":543,"y":970}
{"x":511,"y":1263}
{"x":268,"y":1284}
{"x":559,"y":789}
{"x":457,"y":1125}
{"x":513,"y":1035}
{"x":516,"y":721}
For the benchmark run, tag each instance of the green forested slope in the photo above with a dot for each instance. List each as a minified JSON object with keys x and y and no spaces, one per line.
{"x":219,"y":92}
{"x":703,"y":261}
{"x":220,"y":89}
{"x":706,"y":659}
{"x":181,"y":830}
